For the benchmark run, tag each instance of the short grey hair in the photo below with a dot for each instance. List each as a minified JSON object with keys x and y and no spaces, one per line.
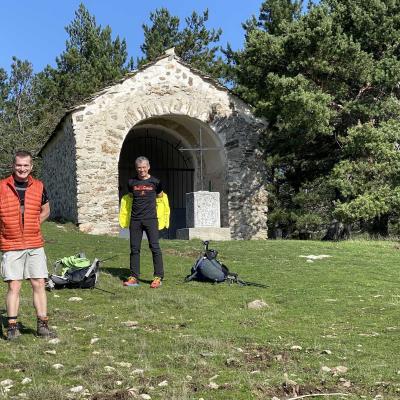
{"x":142,"y":159}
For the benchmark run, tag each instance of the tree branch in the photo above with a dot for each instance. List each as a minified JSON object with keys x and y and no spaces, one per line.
{"x":319,"y":394}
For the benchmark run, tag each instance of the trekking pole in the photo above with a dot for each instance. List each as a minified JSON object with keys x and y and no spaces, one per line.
{"x":103,"y":290}
{"x":109,"y":258}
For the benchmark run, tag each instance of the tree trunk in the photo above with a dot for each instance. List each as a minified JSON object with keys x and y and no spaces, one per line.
{"x":337,"y":231}
{"x":380,"y":226}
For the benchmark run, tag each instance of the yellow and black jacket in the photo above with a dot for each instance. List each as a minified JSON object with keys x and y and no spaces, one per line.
{"x":162,"y":206}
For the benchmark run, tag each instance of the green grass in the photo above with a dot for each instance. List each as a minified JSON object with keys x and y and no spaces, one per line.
{"x":194,"y":334}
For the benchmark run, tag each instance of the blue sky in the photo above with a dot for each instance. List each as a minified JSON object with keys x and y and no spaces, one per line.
{"x":34,"y":29}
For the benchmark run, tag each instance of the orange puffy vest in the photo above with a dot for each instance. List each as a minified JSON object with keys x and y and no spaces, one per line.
{"x":15,"y":235}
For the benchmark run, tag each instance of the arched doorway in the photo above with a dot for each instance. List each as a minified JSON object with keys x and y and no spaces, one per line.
{"x":173,"y":167}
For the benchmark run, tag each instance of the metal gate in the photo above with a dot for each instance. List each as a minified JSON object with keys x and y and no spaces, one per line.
{"x":167,"y":164}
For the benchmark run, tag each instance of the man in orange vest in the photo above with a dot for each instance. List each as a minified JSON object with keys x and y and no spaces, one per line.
{"x":23,"y":207}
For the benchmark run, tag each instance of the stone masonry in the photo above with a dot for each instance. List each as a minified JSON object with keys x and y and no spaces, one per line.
{"x":80,"y":159}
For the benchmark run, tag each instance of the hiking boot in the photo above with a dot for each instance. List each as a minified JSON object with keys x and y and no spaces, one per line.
{"x":156,"y":283}
{"x":131,"y":281}
{"x":13,"y":331}
{"x":43,"y":329}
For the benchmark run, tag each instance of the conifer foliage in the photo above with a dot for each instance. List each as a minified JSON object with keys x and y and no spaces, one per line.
{"x":194,"y":43}
{"x":326,"y":77}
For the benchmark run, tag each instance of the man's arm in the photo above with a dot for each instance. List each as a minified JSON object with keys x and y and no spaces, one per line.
{"x":44,"y":212}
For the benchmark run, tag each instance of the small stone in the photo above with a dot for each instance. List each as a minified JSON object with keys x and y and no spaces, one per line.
{"x":326,"y":352}
{"x":76,"y":389}
{"x":163,"y":383}
{"x":52,"y":352}
{"x":6,"y":382}
{"x":296,"y":348}
{"x":109,"y":369}
{"x":118,"y":383}
{"x":257,"y":304}
{"x":78,"y":328}
{"x":54,"y":341}
{"x":257,"y":371}
{"x":239,"y":349}
{"x":145,"y":396}
{"x":189,"y":377}
{"x":340,"y":369}
{"x":124,"y":364}
{"x":213,"y":385}
{"x":58,"y":366}
{"x":94,"y":340}
{"x":56,"y":295}
{"x":75,"y":299}
{"x":130,"y":324}
{"x":138,"y":371}
{"x":25,"y":381}
{"x":326,"y":369}
{"x":206,"y":354}
{"x":95,"y":352}
{"x":278,"y":357}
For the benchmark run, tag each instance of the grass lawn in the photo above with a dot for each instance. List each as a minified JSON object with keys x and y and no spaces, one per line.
{"x":331,"y":326}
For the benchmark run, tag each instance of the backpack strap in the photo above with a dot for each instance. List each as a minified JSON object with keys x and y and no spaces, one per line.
{"x":194,"y":270}
{"x":191,"y":277}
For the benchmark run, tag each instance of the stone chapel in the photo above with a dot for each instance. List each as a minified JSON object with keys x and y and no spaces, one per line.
{"x":157,"y":111}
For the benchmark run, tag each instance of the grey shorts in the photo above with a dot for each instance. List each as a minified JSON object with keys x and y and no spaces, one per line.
{"x":24,"y":264}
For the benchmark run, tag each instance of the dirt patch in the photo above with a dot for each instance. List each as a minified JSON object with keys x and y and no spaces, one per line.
{"x":263,"y":357}
{"x":118,"y":395}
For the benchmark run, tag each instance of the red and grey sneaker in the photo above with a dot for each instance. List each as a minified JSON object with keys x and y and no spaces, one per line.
{"x":157,"y":282}
{"x":131,"y":281}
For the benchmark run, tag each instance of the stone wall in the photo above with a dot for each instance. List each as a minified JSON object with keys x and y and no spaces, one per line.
{"x":59,"y":172}
{"x":246,"y":194}
{"x":168,"y":88}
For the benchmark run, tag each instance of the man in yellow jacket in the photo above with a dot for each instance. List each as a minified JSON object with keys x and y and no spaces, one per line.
{"x":145,"y":191}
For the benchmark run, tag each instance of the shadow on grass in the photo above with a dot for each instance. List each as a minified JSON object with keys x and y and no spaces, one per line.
{"x":122,"y":274}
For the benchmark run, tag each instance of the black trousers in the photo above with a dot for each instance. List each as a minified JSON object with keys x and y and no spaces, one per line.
{"x":136,"y":229}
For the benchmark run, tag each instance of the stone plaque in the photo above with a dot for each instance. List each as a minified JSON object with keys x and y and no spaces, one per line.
{"x":203,"y":210}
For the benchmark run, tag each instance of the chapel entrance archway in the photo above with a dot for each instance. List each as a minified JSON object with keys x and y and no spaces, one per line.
{"x":161,"y":139}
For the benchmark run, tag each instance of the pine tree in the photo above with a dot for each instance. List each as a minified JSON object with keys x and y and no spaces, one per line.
{"x":90,"y":61}
{"x":315,"y":76}
{"x":194,"y":44}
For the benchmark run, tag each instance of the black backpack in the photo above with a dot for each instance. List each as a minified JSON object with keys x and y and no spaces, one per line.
{"x":208,"y":268}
